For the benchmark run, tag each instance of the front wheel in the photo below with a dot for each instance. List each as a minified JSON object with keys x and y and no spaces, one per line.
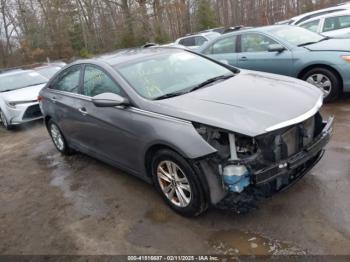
{"x":326,"y":80}
{"x":4,"y":121}
{"x":178,"y":183}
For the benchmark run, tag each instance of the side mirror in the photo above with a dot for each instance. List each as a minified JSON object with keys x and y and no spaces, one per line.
{"x":276,"y":48}
{"x":109,"y":100}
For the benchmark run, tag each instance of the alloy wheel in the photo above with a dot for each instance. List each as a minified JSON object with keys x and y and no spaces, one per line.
{"x":174,"y":183}
{"x":322,"y":82}
{"x":57,"y":137}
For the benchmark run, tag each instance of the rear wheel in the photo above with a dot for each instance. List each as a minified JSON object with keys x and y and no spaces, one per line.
{"x":326,"y":80}
{"x":4,"y":121}
{"x":178,"y":184}
{"x":58,"y":138}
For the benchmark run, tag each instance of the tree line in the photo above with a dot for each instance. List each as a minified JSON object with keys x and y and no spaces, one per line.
{"x":34,"y":30}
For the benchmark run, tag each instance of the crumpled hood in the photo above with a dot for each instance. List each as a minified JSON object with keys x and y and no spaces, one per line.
{"x":334,"y":44}
{"x":23,"y":94}
{"x":248,"y":103}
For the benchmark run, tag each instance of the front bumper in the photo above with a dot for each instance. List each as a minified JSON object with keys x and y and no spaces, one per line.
{"x":23,"y":113}
{"x":299,"y":164}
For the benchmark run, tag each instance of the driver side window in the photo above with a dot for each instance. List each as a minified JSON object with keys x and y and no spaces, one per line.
{"x":97,"y":82}
{"x":253,"y":43}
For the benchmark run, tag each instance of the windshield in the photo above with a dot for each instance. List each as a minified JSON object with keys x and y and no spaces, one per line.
{"x":20,"y":80}
{"x":296,"y":35}
{"x":48,"y":72}
{"x":170,"y":73}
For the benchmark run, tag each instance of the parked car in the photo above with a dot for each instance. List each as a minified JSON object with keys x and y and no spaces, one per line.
{"x":306,"y":16}
{"x":18,"y":97}
{"x":193,"y":42}
{"x":200,"y":130}
{"x":333,"y":25}
{"x":288,"y":50}
{"x":48,"y":70}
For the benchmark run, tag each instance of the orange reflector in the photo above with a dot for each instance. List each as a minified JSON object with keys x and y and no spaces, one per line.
{"x":346,"y":58}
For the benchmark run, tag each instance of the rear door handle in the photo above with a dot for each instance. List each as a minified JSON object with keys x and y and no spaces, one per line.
{"x":83,"y":110}
{"x":243,"y":58}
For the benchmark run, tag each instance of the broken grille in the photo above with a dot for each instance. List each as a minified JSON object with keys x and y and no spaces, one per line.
{"x":281,"y":144}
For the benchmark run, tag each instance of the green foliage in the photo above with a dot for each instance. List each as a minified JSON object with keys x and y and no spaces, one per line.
{"x":205,"y":15}
{"x":84,"y":53}
{"x":161,"y":37}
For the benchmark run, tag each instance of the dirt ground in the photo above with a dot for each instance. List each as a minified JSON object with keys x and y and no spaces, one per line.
{"x":50,"y":204}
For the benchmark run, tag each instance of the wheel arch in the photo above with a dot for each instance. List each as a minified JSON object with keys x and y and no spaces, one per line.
{"x":194,"y":163}
{"x":313,"y":66}
{"x":155,"y":148}
{"x":46,"y":120}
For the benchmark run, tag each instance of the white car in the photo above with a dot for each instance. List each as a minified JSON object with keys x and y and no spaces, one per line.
{"x":19,"y":92}
{"x":335,"y":24}
{"x":193,"y":42}
{"x":306,"y":16}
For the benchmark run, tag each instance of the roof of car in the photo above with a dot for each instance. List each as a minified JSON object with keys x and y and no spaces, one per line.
{"x":16,"y":72}
{"x":339,"y":13}
{"x":132,"y":54}
{"x":344,"y":5}
{"x":254,"y":29}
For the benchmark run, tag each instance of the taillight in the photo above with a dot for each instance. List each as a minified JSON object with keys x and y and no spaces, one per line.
{"x":40,"y":98}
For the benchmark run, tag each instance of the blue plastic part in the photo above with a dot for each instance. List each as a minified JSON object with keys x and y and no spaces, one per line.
{"x":237,"y":184}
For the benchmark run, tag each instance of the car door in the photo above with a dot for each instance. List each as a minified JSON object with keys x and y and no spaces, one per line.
{"x":63,"y":104}
{"x":224,"y":50}
{"x":255,"y":55}
{"x":105,"y":131}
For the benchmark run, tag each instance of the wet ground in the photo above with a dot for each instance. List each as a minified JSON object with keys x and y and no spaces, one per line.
{"x":50,"y":204}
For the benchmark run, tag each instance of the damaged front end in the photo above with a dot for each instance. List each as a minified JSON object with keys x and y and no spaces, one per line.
{"x":274,"y":160}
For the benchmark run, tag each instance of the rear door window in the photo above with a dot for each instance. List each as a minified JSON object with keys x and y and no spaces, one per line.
{"x":68,"y":80}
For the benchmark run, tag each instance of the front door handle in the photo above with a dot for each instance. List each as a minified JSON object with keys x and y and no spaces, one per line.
{"x":243,"y":58}
{"x":83,"y":110}
{"x":53,"y":99}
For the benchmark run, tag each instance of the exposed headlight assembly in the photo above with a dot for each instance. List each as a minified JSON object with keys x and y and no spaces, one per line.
{"x":233,"y":150}
{"x":230,"y":146}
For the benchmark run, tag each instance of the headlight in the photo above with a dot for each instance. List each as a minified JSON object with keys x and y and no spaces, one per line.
{"x":15,"y":103}
{"x":244,"y":146}
{"x":346,"y":58}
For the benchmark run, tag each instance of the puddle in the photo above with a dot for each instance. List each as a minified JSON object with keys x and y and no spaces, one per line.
{"x":235,"y":242}
{"x":65,"y":176}
{"x":158,"y":216}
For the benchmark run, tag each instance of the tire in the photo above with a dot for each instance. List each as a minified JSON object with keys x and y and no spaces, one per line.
{"x":58,"y":139}
{"x":194,"y":202}
{"x":311,"y":76}
{"x":4,"y":121}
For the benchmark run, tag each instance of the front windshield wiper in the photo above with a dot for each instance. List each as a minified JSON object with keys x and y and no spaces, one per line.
{"x":203,"y":84}
{"x":169,"y":95}
{"x":210,"y":81}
